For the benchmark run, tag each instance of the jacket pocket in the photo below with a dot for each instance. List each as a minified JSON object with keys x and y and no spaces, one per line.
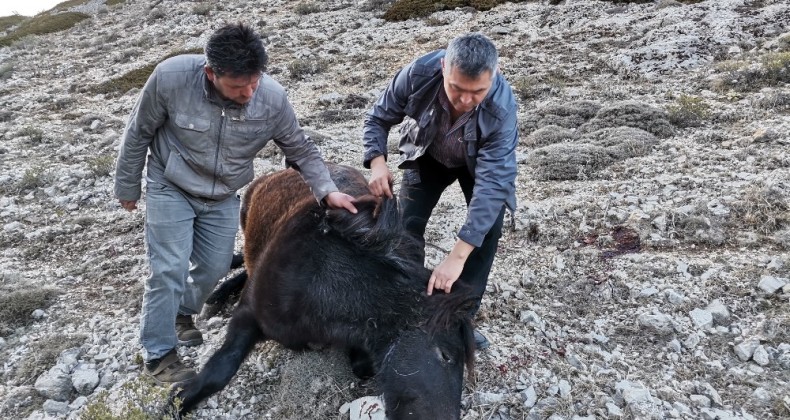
{"x":192,"y":123}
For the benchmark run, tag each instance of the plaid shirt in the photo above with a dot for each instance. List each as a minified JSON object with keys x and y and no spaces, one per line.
{"x":448,"y":148}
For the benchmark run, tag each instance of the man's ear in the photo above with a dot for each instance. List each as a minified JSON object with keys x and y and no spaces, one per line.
{"x":210,"y":73}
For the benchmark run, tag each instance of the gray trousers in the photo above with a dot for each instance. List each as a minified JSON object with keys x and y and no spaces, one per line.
{"x":190,"y":246}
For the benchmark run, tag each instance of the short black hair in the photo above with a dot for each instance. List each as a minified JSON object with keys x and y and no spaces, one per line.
{"x":236,"y":50}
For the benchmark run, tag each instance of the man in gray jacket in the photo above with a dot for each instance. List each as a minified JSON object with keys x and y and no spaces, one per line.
{"x":201,"y":120}
{"x":461,"y":126}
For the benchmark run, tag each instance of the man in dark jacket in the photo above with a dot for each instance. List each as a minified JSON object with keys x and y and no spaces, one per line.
{"x":200,"y":120}
{"x":460,"y":125}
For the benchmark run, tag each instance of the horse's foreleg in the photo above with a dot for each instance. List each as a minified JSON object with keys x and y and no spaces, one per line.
{"x":242,"y":335}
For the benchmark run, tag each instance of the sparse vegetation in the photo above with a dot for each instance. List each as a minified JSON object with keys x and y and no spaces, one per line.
{"x":767,"y":70}
{"x":688,"y":111}
{"x":139,"y":399}
{"x":114,"y":2}
{"x":411,"y":9}
{"x":137,"y":77}
{"x":6,"y":70}
{"x":64,"y":6}
{"x":43,"y":24}
{"x":203,"y":9}
{"x":43,"y":354}
{"x":8,"y":22}
{"x":762,"y":209}
{"x":32,"y":178}
{"x":17,"y":305}
{"x":302,"y":67}
{"x":34,"y":134}
{"x":306,"y":8}
{"x":101,"y":165}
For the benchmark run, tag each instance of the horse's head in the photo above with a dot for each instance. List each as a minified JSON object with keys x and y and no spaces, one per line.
{"x":422,"y":372}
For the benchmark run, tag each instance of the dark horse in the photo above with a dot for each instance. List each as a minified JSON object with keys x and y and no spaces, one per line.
{"x":352,"y":281}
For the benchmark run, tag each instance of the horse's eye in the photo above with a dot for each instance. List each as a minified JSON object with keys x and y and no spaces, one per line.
{"x":444,"y":356}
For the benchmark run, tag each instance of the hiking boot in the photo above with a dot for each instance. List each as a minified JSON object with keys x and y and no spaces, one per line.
{"x":168,"y":369}
{"x":481,"y":342}
{"x":188,"y":334}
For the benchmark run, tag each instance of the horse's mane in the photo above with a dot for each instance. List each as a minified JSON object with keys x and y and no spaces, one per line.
{"x":377,"y":230}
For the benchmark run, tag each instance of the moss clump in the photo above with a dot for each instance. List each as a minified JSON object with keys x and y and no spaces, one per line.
{"x":17,"y":305}
{"x":43,"y":24}
{"x":302,"y":67}
{"x":8,"y":22}
{"x":136,"y":78}
{"x":411,"y":9}
{"x":114,"y":2}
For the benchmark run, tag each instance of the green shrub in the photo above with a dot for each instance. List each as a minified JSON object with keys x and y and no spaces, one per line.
{"x":35,"y":134}
{"x":8,"y":22}
{"x":17,"y":305}
{"x":136,"y":78}
{"x":688,"y":111}
{"x":43,"y":24}
{"x":101,"y":165}
{"x":32,"y":178}
{"x":139,"y":399}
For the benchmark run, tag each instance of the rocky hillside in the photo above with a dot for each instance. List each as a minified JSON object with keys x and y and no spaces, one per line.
{"x":645,"y":274}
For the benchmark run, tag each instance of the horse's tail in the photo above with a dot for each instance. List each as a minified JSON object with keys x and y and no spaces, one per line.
{"x":221,"y":296}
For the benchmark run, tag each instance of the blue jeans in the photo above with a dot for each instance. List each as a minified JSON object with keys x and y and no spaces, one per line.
{"x":419,"y":197}
{"x":190,"y":246}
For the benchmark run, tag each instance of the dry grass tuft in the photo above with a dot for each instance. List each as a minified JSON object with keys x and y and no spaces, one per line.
{"x":17,"y":305}
{"x":315,"y":384}
{"x":43,"y":353}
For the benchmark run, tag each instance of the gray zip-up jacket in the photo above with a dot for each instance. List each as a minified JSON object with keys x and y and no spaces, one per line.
{"x":204,"y":145}
{"x":491,"y":136}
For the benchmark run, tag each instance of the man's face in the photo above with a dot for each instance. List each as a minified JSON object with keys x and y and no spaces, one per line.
{"x":238,"y":89}
{"x":465,"y":92}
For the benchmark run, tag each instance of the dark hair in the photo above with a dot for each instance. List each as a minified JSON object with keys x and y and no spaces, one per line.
{"x":472,"y":54}
{"x":236,"y":50}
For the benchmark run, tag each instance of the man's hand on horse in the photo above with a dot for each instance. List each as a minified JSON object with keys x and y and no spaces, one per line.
{"x":380,"y":183}
{"x":449,"y":270}
{"x":339,"y":200}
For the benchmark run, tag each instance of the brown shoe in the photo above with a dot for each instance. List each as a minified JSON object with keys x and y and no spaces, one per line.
{"x":188,"y":334}
{"x":168,"y":369}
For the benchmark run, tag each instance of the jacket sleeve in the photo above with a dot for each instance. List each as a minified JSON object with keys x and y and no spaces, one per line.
{"x":386,"y":112}
{"x":149,"y":113}
{"x":495,"y":180}
{"x":301,"y":152}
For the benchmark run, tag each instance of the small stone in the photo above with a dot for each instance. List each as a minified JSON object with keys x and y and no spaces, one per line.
{"x":745,"y":349}
{"x":760,"y":356}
